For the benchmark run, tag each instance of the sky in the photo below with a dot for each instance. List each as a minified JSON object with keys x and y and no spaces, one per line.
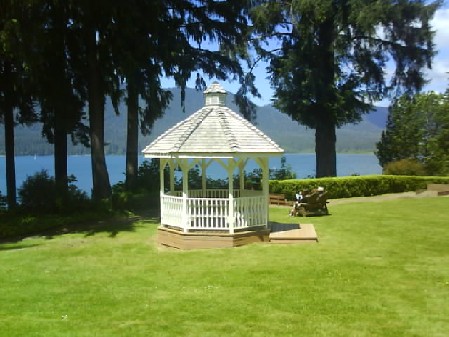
{"x":438,"y":75}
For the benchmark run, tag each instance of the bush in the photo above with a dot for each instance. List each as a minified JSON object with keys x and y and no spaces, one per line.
{"x":405,"y":167}
{"x":123,"y":199}
{"x":145,"y":195}
{"x":40,"y":194}
{"x":3,"y":203}
{"x":148,"y":178}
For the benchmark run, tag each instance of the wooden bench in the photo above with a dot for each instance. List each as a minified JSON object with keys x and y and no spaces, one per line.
{"x":311,"y":204}
{"x":279,"y":199}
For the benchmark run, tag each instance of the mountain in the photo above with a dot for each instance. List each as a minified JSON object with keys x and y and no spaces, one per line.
{"x":291,"y":136}
{"x":378,"y":117}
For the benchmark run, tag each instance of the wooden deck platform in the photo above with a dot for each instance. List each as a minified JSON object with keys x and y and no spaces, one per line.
{"x":276,"y":234}
{"x":305,"y":233}
{"x":209,"y":239}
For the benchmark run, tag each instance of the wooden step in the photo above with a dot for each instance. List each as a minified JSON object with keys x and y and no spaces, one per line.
{"x":305,"y":234}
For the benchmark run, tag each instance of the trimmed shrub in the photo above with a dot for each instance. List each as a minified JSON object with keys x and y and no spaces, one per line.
{"x":356,"y":186}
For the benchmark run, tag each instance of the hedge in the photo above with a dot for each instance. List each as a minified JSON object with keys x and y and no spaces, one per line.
{"x":356,"y":186}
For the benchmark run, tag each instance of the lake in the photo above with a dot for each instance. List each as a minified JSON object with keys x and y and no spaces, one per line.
{"x":303,"y":164}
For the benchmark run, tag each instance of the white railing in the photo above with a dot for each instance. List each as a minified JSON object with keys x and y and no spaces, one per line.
{"x":208,"y":213}
{"x":216,"y":193}
{"x":171,"y":210}
{"x":250,"y":212}
{"x":213,"y":213}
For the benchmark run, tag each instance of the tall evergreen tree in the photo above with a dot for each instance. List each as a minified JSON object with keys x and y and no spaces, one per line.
{"x":171,"y":44}
{"x":15,"y":88}
{"x":137,"y":45}
{"x":328,"y":62}
{"x":92,"y":22}
{"x":60,"y":97}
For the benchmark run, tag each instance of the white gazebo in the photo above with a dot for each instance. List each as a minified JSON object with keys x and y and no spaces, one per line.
{"x":205,"y":217}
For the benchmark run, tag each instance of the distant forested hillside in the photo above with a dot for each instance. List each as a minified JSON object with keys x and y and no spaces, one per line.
{"x":278,"y":126}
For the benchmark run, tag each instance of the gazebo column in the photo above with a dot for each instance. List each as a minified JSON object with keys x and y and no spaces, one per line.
{"x":242,"y":164}
{"x":231,"y":218}
{"x":263,"y":163}
{"x":185,"y":193}
{"x":162,"y":163}
{"x":172,"y":166}
{"x":204,"y":166}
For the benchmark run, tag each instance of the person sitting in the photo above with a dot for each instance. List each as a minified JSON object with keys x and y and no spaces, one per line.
{"x":294,"y":210}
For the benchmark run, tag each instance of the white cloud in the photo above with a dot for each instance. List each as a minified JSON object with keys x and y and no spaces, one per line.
{"x":439,"y":74}
{"x":440,"y":24}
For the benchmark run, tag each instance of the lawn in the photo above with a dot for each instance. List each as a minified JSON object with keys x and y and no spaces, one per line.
{"x":379,"y":269}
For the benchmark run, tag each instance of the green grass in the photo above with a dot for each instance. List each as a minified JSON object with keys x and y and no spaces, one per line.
{"x":380,"y":269}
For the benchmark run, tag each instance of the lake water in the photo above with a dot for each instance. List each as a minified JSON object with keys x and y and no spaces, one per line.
{"x":303,"y":164}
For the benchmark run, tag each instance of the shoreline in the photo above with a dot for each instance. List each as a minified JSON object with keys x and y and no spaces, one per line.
{"x":123,"y":154}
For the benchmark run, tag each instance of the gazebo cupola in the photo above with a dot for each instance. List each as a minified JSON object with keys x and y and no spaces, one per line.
{"x":215,"y":95}
{"x":213,"y":134}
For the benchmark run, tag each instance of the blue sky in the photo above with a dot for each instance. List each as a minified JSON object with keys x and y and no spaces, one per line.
{"x":438,"y":76}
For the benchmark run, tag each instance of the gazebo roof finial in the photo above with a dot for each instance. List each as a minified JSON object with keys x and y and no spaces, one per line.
{"x":215,"y":95}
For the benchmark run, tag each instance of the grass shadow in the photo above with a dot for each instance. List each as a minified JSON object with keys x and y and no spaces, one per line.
{"x":112,"y":225}
{"x":16,"y":246}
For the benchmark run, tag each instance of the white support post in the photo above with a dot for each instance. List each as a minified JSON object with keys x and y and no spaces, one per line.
{"x":242,"y":164}
{"x":185,"y":194}
{"x":162,"y":163}
{"x":263,"y":163}
{"x":172,"y":167}
{"x":203,"y":176}
{"x":231,"y":218}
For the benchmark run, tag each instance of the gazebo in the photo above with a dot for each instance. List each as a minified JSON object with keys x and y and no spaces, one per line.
{"x":206,"y":217}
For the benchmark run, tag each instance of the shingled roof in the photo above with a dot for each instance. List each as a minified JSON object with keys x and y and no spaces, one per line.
{"x":213,"y":131}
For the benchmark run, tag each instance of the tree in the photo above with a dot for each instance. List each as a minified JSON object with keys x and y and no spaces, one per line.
{"x":143,"y":53}
{"x":15,"y":88}
{"x":327,"y":66}
{"x":418,"y":129}
{"x":173,"y":41}
{"x":138,"y":46}
{"x":92,"y":22}
{"x":60,"y":97}
{"x":438,"y":146}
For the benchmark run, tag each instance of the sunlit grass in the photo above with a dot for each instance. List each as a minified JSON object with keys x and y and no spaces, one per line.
{"x":379,"y":269}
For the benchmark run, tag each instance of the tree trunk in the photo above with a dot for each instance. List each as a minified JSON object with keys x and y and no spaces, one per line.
{"x":11,"y":189}
{"x":132,"y":135}
{"x":11,"y":192}
{"x":325,"y":136}
{"x":60,"y":130}
{"x":60,"y":155}
{"x":326,"y":156}
{"x":101,"y":185}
